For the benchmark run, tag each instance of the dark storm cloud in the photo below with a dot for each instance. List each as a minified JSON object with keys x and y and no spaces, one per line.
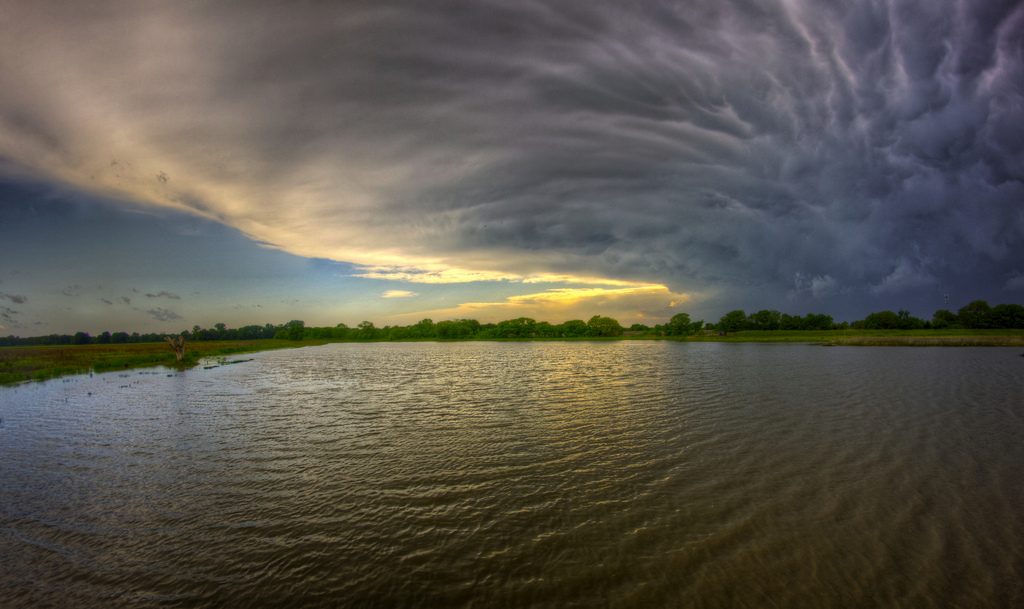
{"x":866,"y":147}
{"x":766,"y":150}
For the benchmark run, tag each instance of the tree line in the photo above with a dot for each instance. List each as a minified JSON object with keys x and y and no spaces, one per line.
{"x":458,"y":329}
{"x":218,"y":332}
{"x":975,"y":315}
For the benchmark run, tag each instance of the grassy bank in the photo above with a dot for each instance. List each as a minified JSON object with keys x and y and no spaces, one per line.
{"x":19,"y":364}
{"x":923,"y":338}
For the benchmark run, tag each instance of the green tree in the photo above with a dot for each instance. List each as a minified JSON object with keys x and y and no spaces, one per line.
{"x":603,"y":326}
{"x":291,"y":333}
{"x":521,"y":327}
{"x":423,"y":329}
{"x":945,"y":319}
{"x":679,"y":325}
{"x":453,"y":330}
{"x":765,"y":320}
{"x":1010,"y":316}
{"x":818,"y":322}
{"x":791,"y":322}
{"x":544,"y":329}
{"x":733,"y":321}
{"x":908,"y":322}
{"x":293,"y":330}
{"x":81,"y":338}
{"x":574,"y":328}
{"x":366,"y":331}
{"x":975,"y":314}
{"x":883,"y":320}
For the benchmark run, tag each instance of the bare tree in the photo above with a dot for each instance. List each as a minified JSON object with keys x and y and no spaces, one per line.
{"x":178,"y":344}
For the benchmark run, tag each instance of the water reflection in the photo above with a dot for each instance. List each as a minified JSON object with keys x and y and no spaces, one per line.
{"x":523,"y":474}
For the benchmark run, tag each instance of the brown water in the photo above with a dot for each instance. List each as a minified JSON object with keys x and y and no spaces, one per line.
{"x":623,"y":474}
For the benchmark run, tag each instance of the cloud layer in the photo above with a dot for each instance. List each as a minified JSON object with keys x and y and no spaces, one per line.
{"x":759,"y":150}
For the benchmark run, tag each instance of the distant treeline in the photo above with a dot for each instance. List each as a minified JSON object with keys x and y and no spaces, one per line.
{"x":461,"y":329}
{"x":976,"y":315}
{"x":220,"y":332}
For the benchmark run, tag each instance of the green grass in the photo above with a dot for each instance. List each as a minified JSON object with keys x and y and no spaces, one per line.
{"x":19,"y":364}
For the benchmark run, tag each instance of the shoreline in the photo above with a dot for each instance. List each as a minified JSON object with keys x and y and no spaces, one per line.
{"x":23,"y":364}
{"x":40,"y":363}
{"x":878,"y":338}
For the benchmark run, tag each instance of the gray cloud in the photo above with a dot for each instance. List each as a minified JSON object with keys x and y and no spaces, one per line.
{"x":163,"y":294}
{"x":15,"y":298}
{"x":161,"y":314}
{"x":72,"y":290}
{"x":875,"y":149}
{"x":8,"y":314}
{"x":1014,"y":281}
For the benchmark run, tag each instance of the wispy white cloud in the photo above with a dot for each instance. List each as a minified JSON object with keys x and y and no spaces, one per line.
{"x":398,"y":294}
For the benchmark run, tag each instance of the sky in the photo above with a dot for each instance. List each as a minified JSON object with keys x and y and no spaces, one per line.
{"x":171,"y":164}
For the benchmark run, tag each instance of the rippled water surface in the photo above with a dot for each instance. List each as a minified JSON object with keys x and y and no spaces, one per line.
{"x":620,"y":474}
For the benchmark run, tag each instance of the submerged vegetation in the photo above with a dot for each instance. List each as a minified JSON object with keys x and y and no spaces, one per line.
{"x":18,"y":364}
{"x":43,"y":357}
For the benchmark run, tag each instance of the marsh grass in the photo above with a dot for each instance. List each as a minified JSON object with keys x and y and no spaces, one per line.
{"x":19,"y":364}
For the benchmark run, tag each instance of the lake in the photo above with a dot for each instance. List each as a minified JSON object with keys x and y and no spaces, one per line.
{"x":533,"y":474}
